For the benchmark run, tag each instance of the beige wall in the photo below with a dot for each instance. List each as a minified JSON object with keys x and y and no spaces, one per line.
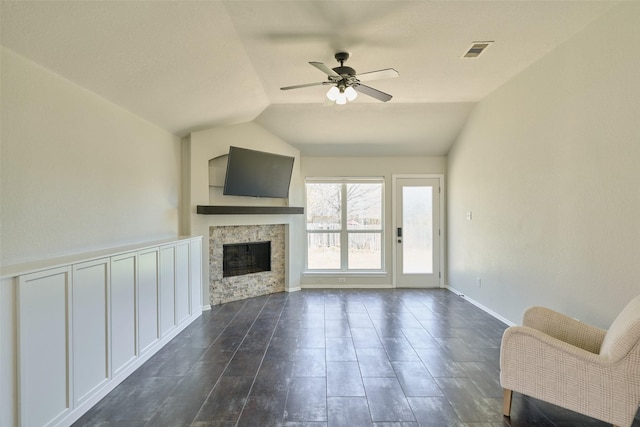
{"x":549,"y":166}
{"x":369,"y":167}
{"x":78,"y":173}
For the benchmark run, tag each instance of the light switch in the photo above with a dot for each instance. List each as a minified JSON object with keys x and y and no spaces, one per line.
{"x":469,"y":216}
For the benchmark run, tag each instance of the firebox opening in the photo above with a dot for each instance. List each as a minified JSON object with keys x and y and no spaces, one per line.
{"x":245,"y":258}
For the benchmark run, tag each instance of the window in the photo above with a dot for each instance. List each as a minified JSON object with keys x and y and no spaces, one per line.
{"x":344,"y":224}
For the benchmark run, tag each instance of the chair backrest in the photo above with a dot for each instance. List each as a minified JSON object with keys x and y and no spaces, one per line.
{"x":624,"y":332}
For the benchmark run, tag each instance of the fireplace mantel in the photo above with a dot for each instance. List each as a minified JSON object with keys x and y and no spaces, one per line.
{"x":247,"y":210}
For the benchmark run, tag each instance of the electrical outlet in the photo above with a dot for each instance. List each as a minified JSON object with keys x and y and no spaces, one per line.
{"x":478,"y":282}
{"x":341,"y":280}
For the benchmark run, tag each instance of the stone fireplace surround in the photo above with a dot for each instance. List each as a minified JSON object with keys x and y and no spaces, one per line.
{"x":227,"y":289}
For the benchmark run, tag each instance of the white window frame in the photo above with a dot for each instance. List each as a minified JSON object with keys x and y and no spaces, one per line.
{"x":344,"y":231}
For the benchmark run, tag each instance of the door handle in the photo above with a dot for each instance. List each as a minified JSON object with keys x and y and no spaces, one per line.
{"x":399,"y":234}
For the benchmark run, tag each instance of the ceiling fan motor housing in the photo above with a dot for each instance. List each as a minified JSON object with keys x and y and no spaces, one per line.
{"x":344,"y":71}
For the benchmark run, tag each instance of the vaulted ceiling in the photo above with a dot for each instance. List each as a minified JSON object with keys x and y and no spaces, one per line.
{"x":190,"y":65}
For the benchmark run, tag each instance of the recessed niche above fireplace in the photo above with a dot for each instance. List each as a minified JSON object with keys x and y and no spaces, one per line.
{"x":245,"y":258}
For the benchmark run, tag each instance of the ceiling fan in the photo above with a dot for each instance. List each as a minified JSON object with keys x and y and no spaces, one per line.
{"x":346,"y":83}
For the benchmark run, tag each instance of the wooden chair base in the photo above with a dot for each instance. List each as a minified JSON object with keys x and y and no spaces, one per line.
{"x":506,"y":402}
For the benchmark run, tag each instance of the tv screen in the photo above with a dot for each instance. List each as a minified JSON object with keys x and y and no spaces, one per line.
{"x":257,"y":174}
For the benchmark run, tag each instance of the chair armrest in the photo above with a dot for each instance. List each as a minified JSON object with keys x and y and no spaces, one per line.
{"x":564,"y":328}
{"x":537,"y":341}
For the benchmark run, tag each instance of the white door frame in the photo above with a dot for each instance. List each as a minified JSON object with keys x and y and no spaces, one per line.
{"x":394,"y":220}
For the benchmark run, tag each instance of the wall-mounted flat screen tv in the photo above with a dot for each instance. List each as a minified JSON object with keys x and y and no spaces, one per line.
{"x":257,"y":174}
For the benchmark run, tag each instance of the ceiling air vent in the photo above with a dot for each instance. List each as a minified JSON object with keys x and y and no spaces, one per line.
{"x":476,"y":49}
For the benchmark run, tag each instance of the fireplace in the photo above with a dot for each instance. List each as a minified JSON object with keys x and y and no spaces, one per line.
{"x":245,"y":258}
{"x":254,"y":277}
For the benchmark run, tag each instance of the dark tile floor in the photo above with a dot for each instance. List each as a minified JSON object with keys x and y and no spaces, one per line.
{"x":329,"y":358}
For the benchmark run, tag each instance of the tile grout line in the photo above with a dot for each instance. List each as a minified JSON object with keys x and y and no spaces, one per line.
{"x":176,"y":385}
{"x":263,"y":355}
{"x":225,"y":367}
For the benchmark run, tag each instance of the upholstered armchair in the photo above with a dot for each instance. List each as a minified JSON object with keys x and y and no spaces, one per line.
{"x":560,"y":360}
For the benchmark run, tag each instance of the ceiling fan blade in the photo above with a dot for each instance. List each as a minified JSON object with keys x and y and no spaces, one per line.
{"x":305,"y":85}
{"x":387,"y":73}
{"x":328,"y":71}
{"x":375,"y":93}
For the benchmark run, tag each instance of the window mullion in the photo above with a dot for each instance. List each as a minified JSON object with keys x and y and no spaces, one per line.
{"x":344,"y":236}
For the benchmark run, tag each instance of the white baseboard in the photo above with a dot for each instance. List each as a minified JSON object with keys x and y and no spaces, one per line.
{"x":296,"y":289}
{"x":206,"y":307}
{"x":481,"y":307}
{"x":345,"y":286}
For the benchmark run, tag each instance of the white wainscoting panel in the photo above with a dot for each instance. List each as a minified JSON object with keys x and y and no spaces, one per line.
{"x":90,"y":327}
{"x":123,"y":311}
{"x":167,"y":288}
{"x":148,"y":332}
{"x":195,"y":276}
{"x":43,"y":360}
{"x":182,"y":282}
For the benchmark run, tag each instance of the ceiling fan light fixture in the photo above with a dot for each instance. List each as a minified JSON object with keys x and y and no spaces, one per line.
{"x":333,"y":93}
{"x":341,"y":98}
{"x":350,"y":93}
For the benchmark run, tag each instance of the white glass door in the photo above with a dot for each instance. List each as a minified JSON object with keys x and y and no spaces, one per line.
{"x":417,"y":232}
